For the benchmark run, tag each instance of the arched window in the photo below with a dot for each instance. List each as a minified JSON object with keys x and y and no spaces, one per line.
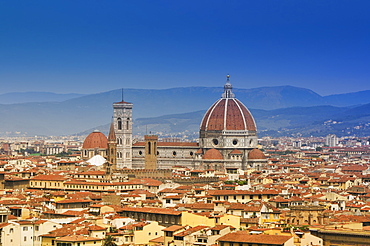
{"x":119,"y":121}
{"x":149,"y":148}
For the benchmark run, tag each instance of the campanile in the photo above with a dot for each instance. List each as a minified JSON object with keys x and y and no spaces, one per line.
{"x":122,"y":121}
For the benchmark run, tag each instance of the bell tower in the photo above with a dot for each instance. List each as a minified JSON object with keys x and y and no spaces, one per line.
{"x":122,"y":123}
{"x":151,"y":142}
{"x":112,"y":148}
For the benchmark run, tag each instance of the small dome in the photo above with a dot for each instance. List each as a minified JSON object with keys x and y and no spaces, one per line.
{"x":213,"y":154}
{"x":95,"y":140}
{"x":256,"y":154}
{"x":236,"y":152}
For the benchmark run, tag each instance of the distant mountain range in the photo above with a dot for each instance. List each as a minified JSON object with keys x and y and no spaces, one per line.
{"x":282,"y":110}
{"x":295,"y":121}
{"x":26,"y":97}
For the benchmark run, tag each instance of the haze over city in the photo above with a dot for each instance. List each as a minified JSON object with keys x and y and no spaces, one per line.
{"x":94,"y":46}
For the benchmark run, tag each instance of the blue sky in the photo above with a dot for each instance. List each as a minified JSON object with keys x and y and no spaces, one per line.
{"x":94,"y":46}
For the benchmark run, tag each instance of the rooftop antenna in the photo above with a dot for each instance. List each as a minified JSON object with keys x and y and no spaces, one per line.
{"x":122,"y":94}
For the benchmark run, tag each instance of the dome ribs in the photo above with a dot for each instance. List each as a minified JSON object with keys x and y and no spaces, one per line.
{"x":95,"y":140}
{"x":228,"y":114}
{"x":216,"y":120}
{"x":249,"y":120}
{"x":234,"y":119}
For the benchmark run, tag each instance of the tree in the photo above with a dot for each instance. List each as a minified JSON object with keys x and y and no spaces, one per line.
{"x":109,"y":241}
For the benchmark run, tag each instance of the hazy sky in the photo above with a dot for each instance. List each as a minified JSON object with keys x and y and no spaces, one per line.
{"x":94,"y":46}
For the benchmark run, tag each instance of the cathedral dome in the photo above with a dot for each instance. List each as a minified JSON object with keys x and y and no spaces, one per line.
{"x":213,"y":154}
{"x":228,"y":114}
{"x":256,"y":154}
{"x":95,"y":140}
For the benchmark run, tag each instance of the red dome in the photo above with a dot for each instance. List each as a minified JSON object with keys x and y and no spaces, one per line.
{"x":256,"y":154}
{"x":213,"y":154}
{"x":228,"y":114}
{"x":95,"y":140}
{"x":236,"y":152}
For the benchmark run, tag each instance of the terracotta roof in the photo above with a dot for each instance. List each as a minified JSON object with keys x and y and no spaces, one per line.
{"x":73,"y":201}
{"x":236,"y":152}
{"x":49,"y":177}
{"x":157,"y":240}
{"x":152,"y":210}
{"x":241,"y":192}
{"x":83,"y":182}
{"x":213,"y":154}
{"x":190,"y":231}
{"x":94,"y":140}
{"x":96,"y":228}
{"x":74,"y":213}
{"x":206,"y":206}
{"x":147,"y":181}
{"x":245,"y":237}
{"x":4,"y":224}
{"x":250,"y":220}
{"x":122,"y":102}
{"x":220,"y":227}
{"x":83,"y":231}
{"x":91,"y":173}
{"x":132,"y":226}
{"x":13,"y":202}
{"x":354,"y":168}
{"x":228,"y":114}
{"x":60,"y":232}
{"x":256,"y":154}
{"x":173,"y":228}
{"x":77,"y":238}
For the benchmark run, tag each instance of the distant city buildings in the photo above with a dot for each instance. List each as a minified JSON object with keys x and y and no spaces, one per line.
{"x":331,"y":140}
{"x":225,"y":189}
